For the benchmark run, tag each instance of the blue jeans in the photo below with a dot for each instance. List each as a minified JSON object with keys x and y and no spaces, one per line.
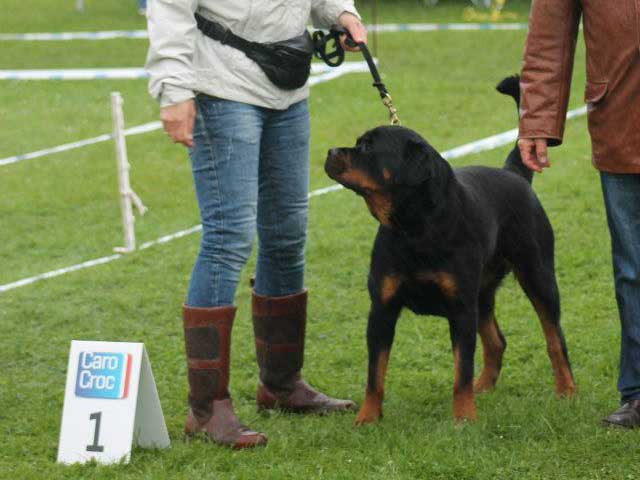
{"x":251,"y":172}
{"x":622,"y":201}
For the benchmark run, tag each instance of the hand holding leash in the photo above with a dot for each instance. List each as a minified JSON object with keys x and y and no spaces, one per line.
{"x":355,"y":33}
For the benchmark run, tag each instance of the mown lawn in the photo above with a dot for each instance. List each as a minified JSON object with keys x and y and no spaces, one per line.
{"x":60,"y":210}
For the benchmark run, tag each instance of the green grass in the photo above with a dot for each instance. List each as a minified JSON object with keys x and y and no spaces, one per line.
{"x":62,"y":209}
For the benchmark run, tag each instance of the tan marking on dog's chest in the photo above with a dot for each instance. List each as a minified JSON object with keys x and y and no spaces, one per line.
{"x":380,"y":206}
{"x":444,"y":280}
{"x":390,"y":286}
{"x":378,"y":203}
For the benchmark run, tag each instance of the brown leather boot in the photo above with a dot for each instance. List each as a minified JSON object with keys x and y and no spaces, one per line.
{"x":207,"y":334}
{"x":279,"y":327}
{"x":627,"y":416}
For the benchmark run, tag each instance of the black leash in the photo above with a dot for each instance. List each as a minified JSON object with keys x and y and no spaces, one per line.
{"x":335,"y":57}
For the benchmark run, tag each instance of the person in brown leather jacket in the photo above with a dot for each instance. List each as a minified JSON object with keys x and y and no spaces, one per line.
{"x":612,"y":93}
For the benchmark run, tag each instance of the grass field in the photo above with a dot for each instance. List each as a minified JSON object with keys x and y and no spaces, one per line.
{"x":63,"y":209}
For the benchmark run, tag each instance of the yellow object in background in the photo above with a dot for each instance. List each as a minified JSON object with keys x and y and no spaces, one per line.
{"x":494,"y":14}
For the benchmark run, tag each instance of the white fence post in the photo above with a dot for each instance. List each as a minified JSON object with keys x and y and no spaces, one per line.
{"x":127,"y":195}
{"x":80,"y":5}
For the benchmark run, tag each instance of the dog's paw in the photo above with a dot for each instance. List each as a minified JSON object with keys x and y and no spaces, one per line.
{"x":483,"y":385}
{"x":566,"y":390}
{"x":367,"y":416}
{"x":461,"y":422}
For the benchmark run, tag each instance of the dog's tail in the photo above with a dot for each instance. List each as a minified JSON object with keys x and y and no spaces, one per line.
{"x":511,"y":86}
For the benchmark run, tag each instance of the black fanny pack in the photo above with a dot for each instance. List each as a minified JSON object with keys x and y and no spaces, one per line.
{"x":287,"y":63}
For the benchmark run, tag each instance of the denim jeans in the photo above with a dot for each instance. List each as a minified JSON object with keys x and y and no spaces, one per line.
{"x":251,"y":172}
{"x":622,"y":201}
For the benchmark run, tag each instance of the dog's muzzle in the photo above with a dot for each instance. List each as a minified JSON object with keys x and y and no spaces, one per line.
{"x":337,"y":162}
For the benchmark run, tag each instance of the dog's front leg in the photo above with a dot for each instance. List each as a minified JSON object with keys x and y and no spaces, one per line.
{"x":463,"y":327}
{"x":380,"y":331}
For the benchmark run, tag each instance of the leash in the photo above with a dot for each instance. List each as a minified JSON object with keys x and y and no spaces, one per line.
{"x":335,"y":57}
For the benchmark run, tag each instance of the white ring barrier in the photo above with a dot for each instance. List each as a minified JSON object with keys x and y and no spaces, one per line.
{"x":381,"y":28}
{"x":484,"y":144}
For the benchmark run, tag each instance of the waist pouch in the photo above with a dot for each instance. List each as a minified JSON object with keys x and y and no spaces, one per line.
{"x":287,"y":63}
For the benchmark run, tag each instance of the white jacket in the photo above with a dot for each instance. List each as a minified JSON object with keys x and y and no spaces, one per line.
{"x":182,"y":61}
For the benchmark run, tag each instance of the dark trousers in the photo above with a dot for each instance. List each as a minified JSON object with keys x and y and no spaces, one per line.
{"x":622,"y":201}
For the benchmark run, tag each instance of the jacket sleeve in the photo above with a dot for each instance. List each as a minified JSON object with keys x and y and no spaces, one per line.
{"x":325,"y":13}
{"x":545,"y":82}
{"x":172,"y":34}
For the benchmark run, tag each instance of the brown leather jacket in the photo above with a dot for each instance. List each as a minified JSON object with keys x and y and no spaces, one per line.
{"x":612,"y":93}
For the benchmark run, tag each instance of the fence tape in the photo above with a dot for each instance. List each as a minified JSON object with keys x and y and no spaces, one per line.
{"x":484,"y":144}
{"x":382,"y":28}
{"x":347,"y":67}
{"x":138,"y":73}
{"x":147,"y":127}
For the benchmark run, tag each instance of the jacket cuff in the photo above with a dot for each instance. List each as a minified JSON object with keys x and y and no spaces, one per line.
{"x":348,"y":8}
{"x":172,"y":94}
{"x":330,"y":12}
{"x":552,"y":140}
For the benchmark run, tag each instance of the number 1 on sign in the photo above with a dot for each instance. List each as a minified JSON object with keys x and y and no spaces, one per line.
{"x":94,"y":447}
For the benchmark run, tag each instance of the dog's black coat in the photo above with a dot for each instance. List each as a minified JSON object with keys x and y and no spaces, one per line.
{"x":447,"y":239}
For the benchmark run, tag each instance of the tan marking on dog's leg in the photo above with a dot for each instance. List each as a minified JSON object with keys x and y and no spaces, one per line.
{"x":565,"y":385}
{"x":464,"y":407}
{"x":445,"y":281}
{"x":371,"y":409}
{"x":492,"y":350}
{"x":390,"y":285}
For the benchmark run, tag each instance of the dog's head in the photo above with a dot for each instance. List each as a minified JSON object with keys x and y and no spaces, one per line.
{"x":389,"y":167}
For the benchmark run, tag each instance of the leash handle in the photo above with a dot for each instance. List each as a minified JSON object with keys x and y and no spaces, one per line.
{"x":333,"y":58}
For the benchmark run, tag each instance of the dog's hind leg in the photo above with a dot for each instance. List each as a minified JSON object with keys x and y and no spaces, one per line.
{"x":493,"y":343}
{"x":537,"y":278}
{"x":380,"y":333}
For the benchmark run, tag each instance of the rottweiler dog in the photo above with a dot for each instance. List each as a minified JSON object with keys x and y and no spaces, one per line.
{"x":446,"y":240}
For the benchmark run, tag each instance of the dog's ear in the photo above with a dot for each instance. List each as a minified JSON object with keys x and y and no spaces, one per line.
{"x":415,"y":167}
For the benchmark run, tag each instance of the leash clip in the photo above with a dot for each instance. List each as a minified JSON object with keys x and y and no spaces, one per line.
{"x":393,"y":111}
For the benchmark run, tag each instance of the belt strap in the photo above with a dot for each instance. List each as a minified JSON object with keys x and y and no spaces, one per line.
{"x":223,"y":35}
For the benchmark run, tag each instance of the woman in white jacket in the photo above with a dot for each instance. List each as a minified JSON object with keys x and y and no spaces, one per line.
{"x":248,"y":143}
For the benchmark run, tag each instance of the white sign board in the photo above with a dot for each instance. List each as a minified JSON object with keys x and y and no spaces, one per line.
{"x":110,"y":404}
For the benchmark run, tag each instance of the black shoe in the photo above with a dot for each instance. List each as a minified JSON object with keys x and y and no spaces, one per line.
{"x":627,"y":416}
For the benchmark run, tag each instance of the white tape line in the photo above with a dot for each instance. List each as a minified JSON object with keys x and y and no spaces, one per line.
{"x":105,"y":35}
{"x":386,"y":28}
{"x":136,"y":73}
{"x":498,"y":140}
{"x":325,"y":190}
{"x":440,"y":27}
{"x":347,"y":67}
{"x":172,"y":236}
{"x":147,"y":127}
{"x":577,"y":112}
{"x":488,"y":143}
{"x":60,"y":271}
{"x":75,"y":74}
{"x":332,"y":73}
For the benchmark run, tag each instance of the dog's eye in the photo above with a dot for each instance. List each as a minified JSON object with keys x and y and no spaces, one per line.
{"x":364,"y":145}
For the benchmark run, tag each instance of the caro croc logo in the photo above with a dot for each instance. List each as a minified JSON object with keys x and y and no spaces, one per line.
{"x":103,"y":375}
